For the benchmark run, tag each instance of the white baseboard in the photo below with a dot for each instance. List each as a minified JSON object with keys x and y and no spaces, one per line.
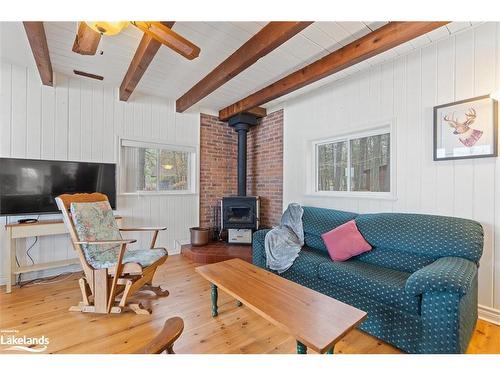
{"x":489,"y":314}
{"x":177,"y":246}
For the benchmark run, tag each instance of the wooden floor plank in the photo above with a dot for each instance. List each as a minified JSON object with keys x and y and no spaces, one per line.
{"x":42,"y":310}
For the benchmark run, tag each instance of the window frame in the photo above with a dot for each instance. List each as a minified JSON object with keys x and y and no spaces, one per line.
{"x":146,"y":143}
{"x":364,"y":130}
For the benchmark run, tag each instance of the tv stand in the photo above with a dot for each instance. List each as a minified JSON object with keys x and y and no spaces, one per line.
{"x":40,"y":228}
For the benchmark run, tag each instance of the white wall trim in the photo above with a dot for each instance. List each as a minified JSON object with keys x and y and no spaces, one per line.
{"x":363,"y":129}
{"x":489,"y":314}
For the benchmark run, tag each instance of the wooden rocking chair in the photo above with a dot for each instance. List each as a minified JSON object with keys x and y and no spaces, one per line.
{"x":164,"y":341}
{"x":109,"y":269}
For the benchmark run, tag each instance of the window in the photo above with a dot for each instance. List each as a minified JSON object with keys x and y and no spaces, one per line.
{"x":152,"y":167}
{"x":355,"y":163}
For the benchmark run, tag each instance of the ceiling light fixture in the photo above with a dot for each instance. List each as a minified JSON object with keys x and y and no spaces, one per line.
{"x":106,"y":27}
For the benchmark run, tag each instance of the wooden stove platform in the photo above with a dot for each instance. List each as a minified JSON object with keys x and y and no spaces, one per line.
{"x":217,"y":252}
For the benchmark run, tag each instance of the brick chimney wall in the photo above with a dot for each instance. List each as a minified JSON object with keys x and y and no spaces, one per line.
{"x":265,"y":166}
{"x":218,"y":166}
{"x":218,"y":169}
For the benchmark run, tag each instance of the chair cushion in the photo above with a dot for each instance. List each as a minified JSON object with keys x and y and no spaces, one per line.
{"x":380,"y":284}
{"x":144,"y":257}
{"x":95,"y":221}
{"x":345,"y":241}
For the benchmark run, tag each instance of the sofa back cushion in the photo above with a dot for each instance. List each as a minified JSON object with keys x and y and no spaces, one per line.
{"x":423,"y":236}
{"x":396,"y":259}
{"x":317,"y":221}
{"x":404,"y":242}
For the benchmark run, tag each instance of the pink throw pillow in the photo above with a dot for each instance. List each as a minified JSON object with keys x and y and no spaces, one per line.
{"x":345,"y":241}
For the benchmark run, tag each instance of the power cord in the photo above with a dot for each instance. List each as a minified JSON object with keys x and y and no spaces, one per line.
{"x":39,"y":280}
{"x":47,"y":280}
{"x":29,"y":249}
{"x":19,"y":276}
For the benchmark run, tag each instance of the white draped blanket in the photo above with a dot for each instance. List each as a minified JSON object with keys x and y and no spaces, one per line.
{"x":284,"y":242}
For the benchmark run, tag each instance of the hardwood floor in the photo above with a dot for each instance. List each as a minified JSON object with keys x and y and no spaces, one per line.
{"x":42,"y":310}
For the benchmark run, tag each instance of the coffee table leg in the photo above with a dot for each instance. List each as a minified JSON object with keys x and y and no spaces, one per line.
{"x":330,"y":351}
{"x":239,"y":304}
{"x":214,"y":295}
{"x":301,"y":348}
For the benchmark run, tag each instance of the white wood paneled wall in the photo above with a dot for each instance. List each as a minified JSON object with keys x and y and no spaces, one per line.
{"x":461,"y":66}
{"x":81,"y":120}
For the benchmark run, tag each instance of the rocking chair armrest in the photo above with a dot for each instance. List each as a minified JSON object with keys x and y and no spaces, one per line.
{"x":143,"y":229}
{"x":164,"y":341}
{"x":106,"y":242}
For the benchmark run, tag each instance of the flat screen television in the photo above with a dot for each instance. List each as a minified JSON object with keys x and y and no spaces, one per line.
{"x":30,"y":186}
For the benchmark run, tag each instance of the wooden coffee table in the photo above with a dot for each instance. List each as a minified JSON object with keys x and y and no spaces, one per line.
{"x":313,"y":319}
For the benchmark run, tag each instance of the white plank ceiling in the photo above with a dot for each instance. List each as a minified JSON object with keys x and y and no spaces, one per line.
{"x":170,"y":75}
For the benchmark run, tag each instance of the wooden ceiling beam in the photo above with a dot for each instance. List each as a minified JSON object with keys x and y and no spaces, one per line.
{"x":266,"y":40}
{"x":257,"y":112}
{"x":146,"y":51}
{"x":374,"y":43}
{"x":38,"y":43}
{"x":86,"y":40}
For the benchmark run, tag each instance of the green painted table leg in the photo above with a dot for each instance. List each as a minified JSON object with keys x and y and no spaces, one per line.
{"x":214,"y":295}
{"x":239,"y":304}
{"x":301,"y":348}
{"x":330,"y":351}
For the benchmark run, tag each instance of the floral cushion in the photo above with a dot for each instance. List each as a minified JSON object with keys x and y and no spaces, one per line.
{"x":95,"y":221}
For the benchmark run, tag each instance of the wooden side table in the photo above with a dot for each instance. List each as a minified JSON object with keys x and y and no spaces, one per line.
{"x":41,"y":228}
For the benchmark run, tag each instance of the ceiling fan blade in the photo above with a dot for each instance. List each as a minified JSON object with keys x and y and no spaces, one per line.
{"x":170,"y":38}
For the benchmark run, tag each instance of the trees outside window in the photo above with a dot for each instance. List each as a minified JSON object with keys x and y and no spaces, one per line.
{"x":354,"y":163}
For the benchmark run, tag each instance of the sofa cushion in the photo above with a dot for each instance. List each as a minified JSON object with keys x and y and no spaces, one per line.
{"x":426,"y":235}
{"x":345,"y":241}
{"x":395,"y":259}
{"x":308,"y":261}
{"x":378,"y":283}
{"x":395,"y":326}
{"x":317,"y":221}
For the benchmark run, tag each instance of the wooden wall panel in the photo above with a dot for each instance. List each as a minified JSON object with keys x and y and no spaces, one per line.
{"x":82,"y":120}
{"x":464,"y":65}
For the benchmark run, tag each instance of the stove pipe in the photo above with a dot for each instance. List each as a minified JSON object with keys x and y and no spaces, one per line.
{"x":241,"y":124}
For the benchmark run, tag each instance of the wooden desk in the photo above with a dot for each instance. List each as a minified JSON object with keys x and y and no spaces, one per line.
{"x":41,"y":228}
{"x":314,"y":319}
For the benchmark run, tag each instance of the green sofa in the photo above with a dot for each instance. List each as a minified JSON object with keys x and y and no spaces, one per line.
{"x":418,"y":284}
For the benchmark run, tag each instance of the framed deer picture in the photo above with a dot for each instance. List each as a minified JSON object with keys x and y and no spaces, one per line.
{"x":466,"y":129}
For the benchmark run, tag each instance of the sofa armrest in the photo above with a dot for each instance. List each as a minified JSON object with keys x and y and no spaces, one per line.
{"x":258,"y":248}
{"x":448,"y":274}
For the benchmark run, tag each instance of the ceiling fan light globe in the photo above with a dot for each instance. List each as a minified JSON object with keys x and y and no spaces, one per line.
{"x":107,"y":28}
